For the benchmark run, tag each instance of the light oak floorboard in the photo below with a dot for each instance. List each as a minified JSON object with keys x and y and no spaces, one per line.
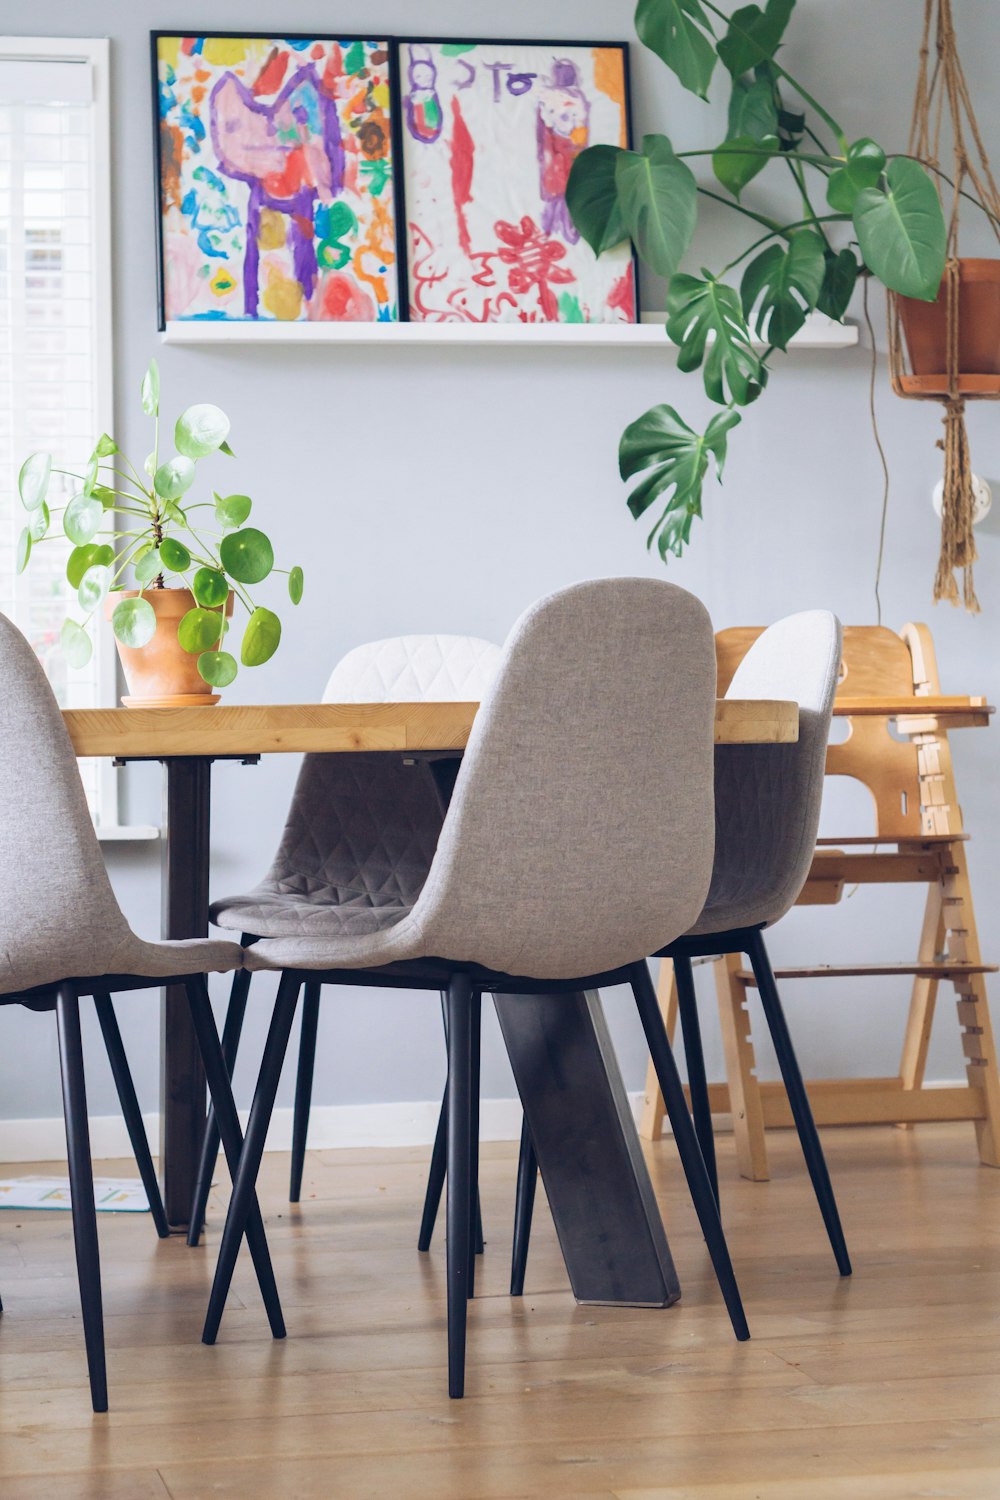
{"x":884,"y":1387}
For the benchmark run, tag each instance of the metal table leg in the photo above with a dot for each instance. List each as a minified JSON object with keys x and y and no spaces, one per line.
{"x":187,"y":806}
{"x":595,"y":1177}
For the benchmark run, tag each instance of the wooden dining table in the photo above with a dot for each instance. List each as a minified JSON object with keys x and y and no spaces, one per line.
{"x":581,"y":1123}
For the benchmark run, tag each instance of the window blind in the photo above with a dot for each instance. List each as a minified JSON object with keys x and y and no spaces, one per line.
{"x":48,"y":338}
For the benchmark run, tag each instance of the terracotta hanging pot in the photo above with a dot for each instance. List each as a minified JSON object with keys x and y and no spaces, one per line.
{"x":925,"y":329}
{"x":162,"y":674}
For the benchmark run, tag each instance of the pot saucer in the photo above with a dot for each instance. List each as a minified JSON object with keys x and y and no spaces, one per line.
{"x":173,"y":700}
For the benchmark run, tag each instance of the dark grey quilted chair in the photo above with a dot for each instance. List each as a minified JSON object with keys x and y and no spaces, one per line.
{"x":359,"y":838}
{"x":767,"y":807}
{"x":549,"y":874}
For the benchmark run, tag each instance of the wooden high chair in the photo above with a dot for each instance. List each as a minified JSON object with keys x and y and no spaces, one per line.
{"x":919,"y":838}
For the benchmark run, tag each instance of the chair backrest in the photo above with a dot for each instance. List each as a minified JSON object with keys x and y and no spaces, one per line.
{"x":365,"y":828}
{"x":579,"y":836}
{"x":415,"y":669}
{"x":767,"y":797}
{"x":875,"y":662}
{"x":58,"y":914}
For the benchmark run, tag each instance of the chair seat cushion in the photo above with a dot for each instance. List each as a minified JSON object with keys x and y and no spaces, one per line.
{"x":268,"y":911}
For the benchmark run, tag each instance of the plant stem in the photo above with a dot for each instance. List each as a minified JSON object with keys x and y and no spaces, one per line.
{"x":814,"y":161}
{"x":771,"y":224}
{"x":795,"y":167}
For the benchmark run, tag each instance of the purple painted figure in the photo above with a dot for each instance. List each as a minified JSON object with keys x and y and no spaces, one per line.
{"x":562,"y":132}
{"x":289,"y":154}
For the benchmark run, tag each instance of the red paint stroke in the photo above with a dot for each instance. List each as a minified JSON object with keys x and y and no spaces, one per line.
{"x":463,"y":153}
{"x":622,"y":296}
{"x":272,"y":74}
{"x":333,"y":71}
{"x":532,"y":256}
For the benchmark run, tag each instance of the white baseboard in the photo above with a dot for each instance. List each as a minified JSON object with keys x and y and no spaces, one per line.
{"x":330,"y":1126}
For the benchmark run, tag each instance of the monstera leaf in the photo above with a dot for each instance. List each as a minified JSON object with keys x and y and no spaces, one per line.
{"x":678,"y":460}
{"x":705,"y":320}
{"x":862,"y":169}
{"x":752,"y":108}
{"x":786,"y":280}
{"x":657,"y":196}
{"x":901,"y":231}
{"x":754,"y":35}
{"x":680,"y":33}
{"x":592,"y":198}
{"x":737,"y":161}
{"x":839,"y":275}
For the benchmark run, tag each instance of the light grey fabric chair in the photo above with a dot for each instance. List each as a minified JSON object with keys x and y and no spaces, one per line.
{"x":549,"y":865}
{"x":63,"y":935}
{"x":360,"y":834}
{"x":767,"y":806}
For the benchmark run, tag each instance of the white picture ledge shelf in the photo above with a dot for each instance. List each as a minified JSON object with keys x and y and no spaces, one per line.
{"x":819,"y":333}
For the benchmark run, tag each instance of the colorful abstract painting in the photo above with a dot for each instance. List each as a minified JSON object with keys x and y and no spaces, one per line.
{"x":276,"y":190}
{"x":490,"y":131}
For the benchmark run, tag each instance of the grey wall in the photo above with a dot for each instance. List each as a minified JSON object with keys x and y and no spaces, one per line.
{"x":439,"y":489}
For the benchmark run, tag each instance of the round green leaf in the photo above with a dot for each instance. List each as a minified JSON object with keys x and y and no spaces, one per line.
{"x":103,"y":493}
{"x":82,"y":558}
{"x":864,"y":165}
{"x":174,"y":556}
{"x":82,"y":517}
{"x":295,"y":581}
{"x":232,"y":510}
{"x":200,"y":430}
{"x":210,"y":588}
{"x":150,"y":389}
{"x":134,"y":622}
{"x":105,"y":446}
{"x":261,"y":637}
{"x":200,"y":629}
{"x":39,"y":523}
{"x":902,"y":232}
{"x":76,"y":644}
{"x":148,"y":566}
{"x":217,"y":668}
{"x":247,"y":555}
{"x":93,"y":588}
{"x":33,"y":480}
{"x":23,"y":549}
{"x":174,"y":478}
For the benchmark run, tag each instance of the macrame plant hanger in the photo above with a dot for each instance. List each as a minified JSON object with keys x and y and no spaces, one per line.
{"x":938,"y":85}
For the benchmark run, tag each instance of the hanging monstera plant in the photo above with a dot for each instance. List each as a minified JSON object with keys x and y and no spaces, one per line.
{"x":861,"y":211}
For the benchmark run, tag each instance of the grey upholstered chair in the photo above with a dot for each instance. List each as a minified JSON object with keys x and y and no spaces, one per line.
{"x":767,"y":806}
{"x":549,"y":865}
{"x":63,"y":935}
{"x":361,"y":832}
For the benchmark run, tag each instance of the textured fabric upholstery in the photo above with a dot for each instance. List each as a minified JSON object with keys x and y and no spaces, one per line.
{"x":767,"y":797}
{"x":415,"y":669}
{"x":579,"y":835}
{"x":362,"y":829}
{"x":59,"y":918}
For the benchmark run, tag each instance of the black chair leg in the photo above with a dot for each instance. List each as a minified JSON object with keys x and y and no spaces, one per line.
{"x":476,"y":1034}
{"x":687,"y":1005}
{"x":210,"y":1140}
{"x":798,"y":1098}
{"x":524,"y":1207}
{"x":221,"y":1091}
{"x":247,"y":1164}
{"x":687,"y":1144}
{"x":460,"y":1109}
{"x":303,"y":1087}
{"x":435,"y":1177}
{"x":131,"y":1111}
{"x":436,"y":1173}
{"x":81,"y":1187}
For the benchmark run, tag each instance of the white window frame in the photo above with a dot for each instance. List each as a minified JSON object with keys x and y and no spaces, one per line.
{"x":97,"y":52}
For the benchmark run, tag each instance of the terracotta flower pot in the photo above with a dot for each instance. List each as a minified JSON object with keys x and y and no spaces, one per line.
{"x":162,"y":674}
{"x":925,"y":325}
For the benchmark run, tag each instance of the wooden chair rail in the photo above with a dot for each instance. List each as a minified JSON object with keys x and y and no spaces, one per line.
{"x":947,"y":969}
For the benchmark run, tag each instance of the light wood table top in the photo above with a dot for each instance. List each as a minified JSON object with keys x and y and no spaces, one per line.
{"x":258,"y":729}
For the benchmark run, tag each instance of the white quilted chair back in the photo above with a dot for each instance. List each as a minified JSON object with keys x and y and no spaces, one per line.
{"x":414,"y":669}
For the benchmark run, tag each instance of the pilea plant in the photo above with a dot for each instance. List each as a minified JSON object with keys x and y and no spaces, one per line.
{"x":122,"y":521}
{"x":887,"y":204}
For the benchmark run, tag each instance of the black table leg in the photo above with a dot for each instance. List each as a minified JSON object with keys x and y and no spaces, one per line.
{"x":187,"y":799}
{"x":592,"y":1167}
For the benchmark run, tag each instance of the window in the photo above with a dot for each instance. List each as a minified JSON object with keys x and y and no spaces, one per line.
{"x":55,"y":331}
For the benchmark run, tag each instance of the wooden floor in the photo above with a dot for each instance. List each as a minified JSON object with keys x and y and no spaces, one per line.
{"x":879,"y":1388}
